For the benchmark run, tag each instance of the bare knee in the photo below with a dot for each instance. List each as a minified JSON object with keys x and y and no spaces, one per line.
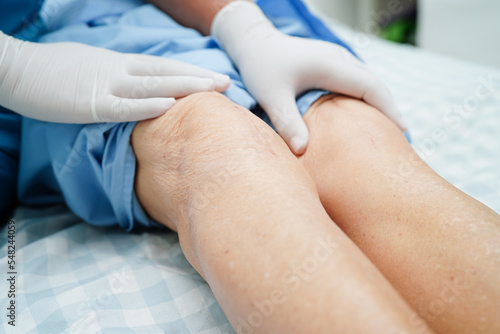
{"x":197,"y":118}
{"x":202,"y":143}
{"x":348,"y":122}
{"x":203,"y":126}
{"x":347,"y":134}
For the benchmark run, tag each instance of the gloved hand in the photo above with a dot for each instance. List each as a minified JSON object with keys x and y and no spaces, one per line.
{"x":276,"y":68}
{"x":76,"y":83}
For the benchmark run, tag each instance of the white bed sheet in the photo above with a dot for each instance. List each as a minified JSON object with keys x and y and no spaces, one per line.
{"x":75,"y":278}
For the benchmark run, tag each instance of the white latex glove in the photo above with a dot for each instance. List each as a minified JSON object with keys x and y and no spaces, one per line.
{"x":276,"y":68}
{"x":76,"y":83}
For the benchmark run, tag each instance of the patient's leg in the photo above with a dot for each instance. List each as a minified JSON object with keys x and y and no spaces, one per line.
{"x":250,"y":221}
{"x":437,"y":246}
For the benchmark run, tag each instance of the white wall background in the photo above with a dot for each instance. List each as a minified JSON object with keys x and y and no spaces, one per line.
{"x":341,"y":10}
{"x":467,"y":29}
{"x":354,"y":13}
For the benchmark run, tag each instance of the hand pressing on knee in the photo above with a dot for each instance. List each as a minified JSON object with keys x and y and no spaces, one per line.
{"x":276,"y":68}
{"x":77,"y":83}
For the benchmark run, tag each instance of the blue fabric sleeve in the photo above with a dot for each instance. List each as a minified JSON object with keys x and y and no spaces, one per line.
{"x":89,"y":167}
{"x":15,"y":14}
{"x":10,"y":131}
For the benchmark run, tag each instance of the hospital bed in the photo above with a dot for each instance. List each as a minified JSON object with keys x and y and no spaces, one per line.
{"x":77,"y":278}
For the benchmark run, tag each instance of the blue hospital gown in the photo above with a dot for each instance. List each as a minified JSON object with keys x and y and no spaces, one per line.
{"x":92,"y":167}
{"x":13,"y":15}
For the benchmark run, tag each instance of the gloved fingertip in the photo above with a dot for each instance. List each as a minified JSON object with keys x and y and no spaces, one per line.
{"x":208,"y":84}
{"x":160,"y":108}
{"x":402,"y":124}
{"x":398,"y":119}
{"x":298,"y":144}
{"x":222,"y":82}
{"x":169,"y":103}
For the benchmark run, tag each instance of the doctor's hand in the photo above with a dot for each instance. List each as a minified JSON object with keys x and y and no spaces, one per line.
{"x":276,"y":68}
{"x":76,"y":83}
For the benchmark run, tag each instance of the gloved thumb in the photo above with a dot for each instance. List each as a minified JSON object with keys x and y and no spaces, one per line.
{"x":288,"y":122}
